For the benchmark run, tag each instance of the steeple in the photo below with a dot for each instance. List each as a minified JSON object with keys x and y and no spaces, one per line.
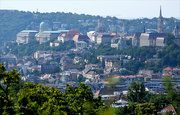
{"x":160,"y":22}
{"x":160,"y":14}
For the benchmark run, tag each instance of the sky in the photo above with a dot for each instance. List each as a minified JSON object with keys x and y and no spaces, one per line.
{"x":117,"y":8}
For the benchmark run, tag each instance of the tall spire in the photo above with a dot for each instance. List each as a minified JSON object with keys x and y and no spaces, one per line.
{"x":160,"y":22}
{"x":160,"y":14}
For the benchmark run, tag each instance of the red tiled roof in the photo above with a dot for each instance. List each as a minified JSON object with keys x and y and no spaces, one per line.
{"x":99,"y":35}
{"x":166,"y":109}
{"x":113,"y":34}
{"x":76,"y":37}
{"x":97,"y":93}
{"x":70,"y":34}
{"x":168,"y":69}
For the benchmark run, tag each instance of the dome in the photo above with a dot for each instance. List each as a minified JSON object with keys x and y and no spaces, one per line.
{"x":43,"y":25}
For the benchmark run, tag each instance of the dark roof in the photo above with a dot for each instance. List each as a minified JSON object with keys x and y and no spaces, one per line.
{"x":137,"y":34}
{"x":155,"y":35}
{"x":81,"y":37}
{"x":108,"y":91}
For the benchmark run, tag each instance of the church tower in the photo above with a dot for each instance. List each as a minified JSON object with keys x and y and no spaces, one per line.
{"x":160,"y":22}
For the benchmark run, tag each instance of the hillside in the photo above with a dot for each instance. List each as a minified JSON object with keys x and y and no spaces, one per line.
{"x":13,"y":21}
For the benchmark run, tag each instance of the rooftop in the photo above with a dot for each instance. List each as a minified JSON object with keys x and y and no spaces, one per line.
{"x":29,"y":31}
{"x":55,"y":32}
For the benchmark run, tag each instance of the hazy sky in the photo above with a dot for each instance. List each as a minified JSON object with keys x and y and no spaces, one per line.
{"x":118,"y":8}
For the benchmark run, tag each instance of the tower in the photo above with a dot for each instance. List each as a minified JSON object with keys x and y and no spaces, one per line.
{"x":160,"y":22}
{"x":176,"y":30}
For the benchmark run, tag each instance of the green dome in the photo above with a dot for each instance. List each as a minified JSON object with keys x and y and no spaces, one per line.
{"x":43,"y":25}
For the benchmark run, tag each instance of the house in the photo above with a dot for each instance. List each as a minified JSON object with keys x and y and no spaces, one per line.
{"x":54,"y":44}
{"x":67,"y":36}
{"x":168,"y":109}
{"x":85,"y":71}
{"x":77,"y":59}
{"x":103,"y":57}
{"x":112,"y":63}
{"x":145,"y":71}
{"x":81,"y":44}
{"x":167,"y":70}
{"x":92,"y":35}
{"x":109,"y":93}
{"x":48,"y":67}
{"x":90,"y":74}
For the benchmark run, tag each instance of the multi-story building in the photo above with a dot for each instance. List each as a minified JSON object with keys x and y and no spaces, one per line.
{"x":25,"y":36}
{"x":67,"y":36}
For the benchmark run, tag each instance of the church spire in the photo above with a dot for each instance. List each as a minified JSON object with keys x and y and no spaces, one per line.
{"x":160,"y":22}
{"x":160,"y":14}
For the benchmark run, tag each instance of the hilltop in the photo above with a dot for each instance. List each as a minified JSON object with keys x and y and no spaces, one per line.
{"x":14,"y":21}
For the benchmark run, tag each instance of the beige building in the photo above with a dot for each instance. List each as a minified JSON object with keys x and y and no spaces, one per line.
{"x":81,"y":45}
{"x":47,"y":35}
{"x":104,"y":38}
{"x":25,"y":36}
{"x":152,"y":39}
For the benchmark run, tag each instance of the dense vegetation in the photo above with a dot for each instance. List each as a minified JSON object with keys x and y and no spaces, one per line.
{"x":27,"y":98}
{"x":13,"y":21}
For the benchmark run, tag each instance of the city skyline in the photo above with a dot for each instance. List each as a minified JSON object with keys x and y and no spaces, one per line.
{"x":121,"y":9}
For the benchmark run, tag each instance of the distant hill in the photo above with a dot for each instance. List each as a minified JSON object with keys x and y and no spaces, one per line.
{"x":14,"y":21}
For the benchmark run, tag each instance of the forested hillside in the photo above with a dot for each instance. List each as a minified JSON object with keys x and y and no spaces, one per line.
{"x":13,"y":21}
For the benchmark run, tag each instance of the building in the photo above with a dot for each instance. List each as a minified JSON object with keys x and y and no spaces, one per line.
{"x":81,"y":45}
{"x":53,"y":44}
{"x":103,"y":57}
{"x":48,"y":35}
{"x":45,"y":35}
{"x":136,"y":40}
{"x":77,"y":38}
{"x":169,"y":108}
{"x":43,"y":27}
{"x":104,"y":38}
{"x":92,"y":35}
{"x":112,"y":63}
{"x":26,"y":36}
{"x":48,"y":67}
{"x":152,"y":39}
{"x":120,"y":45}
{"x":67,"y":36}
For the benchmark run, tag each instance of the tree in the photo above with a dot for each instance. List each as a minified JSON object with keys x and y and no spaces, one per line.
{"x":172,"y":93}
{"x":145,"y":109}
{"x":80,"y":78}
{"x":136,"y":92}
{"x":8,"y":82}
{"x":29,"y":98}
{"x":158,"y":100}
{"x":169,"y":38}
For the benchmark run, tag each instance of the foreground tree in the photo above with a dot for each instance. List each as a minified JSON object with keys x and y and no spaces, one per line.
{"x":8,"y":82}
{"x":136,"y":92}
